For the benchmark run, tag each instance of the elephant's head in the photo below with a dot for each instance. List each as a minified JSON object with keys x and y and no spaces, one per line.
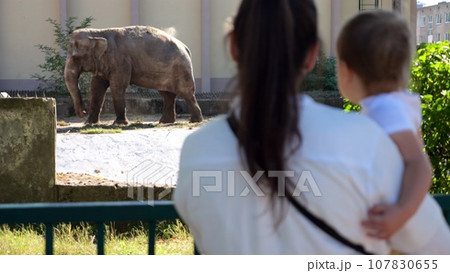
{"x":84,"y":53}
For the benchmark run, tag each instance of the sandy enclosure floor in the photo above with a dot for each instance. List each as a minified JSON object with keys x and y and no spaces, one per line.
{"x":146,"y":153}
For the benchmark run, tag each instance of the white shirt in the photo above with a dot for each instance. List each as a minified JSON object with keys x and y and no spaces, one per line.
{"x":394,"y":112}
{"x":352,"y":162}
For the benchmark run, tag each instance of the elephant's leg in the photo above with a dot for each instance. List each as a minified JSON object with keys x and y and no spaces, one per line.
{"x":168,"y":113}
{"x":118,"y":96}
{"x":194,"y":108}
{"x":98,"y":90}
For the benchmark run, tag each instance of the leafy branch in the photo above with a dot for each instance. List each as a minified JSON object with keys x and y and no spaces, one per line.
{"x":51,"y":77}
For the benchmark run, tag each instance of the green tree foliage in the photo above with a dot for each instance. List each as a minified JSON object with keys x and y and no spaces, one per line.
{"x":430,"y":77}
{"x":323,"y":76}
{"x":51,"y":77}
{"x":349,"y":107}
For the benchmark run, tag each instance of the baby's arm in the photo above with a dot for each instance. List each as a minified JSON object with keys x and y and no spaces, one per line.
{"x":384,"y":220}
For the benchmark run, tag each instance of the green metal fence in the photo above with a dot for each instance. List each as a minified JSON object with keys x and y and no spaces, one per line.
{"x":102,"y":212}
{"x":444,"y":201}
{"x":97,"y":212}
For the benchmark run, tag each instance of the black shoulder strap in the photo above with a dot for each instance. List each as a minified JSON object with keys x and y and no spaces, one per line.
{"x":233,"y":123}
{"x":327,"y":228}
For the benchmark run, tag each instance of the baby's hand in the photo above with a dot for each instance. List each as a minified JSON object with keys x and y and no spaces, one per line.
{"x":384,"y":220}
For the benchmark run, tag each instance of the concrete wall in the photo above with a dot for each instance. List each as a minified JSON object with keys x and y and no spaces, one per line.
{"x":107,"y":13}
{"x":166,"y":14}
{"x":348,"y":9}
{"x":27,"y":150}
{"x":22,"y":26}
{"x":20,"y":58}
{"x":198,"y":23}
{"x":28,"y":159}
{"x":222,"y":67}
{"x":324,"y":13}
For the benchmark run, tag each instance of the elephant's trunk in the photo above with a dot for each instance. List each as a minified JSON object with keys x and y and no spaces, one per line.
{"x":71,"y":75}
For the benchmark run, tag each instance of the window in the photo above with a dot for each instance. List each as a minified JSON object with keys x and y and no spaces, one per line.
{"x":438,"y":37}
{"x":423,"y":21}
{"x":447,"y":17}
{"x":430,"y":32}
{"x":368,"y":4}
{"x":447,"y":36}
{"x":438,"y":18}
{"x":430,"y":19}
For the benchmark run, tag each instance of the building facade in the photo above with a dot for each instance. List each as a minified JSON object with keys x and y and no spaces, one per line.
{"x":433,"y":23}
{"x":201,"y":25}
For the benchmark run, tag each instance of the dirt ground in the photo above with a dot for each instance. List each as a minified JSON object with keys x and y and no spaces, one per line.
{"x":74,"y":124}
{"x":81,"y":179}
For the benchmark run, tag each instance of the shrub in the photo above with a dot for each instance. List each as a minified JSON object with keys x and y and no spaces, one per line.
{"x":51,"y":77}
{"x":349,"y":107}
{"x":430,"y":77}
{"x":323,"y":76}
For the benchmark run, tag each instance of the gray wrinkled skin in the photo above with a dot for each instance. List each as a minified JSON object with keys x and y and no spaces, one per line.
{"x":140,"y":55}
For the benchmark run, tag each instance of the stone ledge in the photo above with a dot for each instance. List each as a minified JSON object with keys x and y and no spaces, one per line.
{"x":27,"y":149}
{"x":109,"y":192}
{"x":74,"y":187}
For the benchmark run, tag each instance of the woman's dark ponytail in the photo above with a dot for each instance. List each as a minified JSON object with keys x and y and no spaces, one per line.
{"x":272,"y":38}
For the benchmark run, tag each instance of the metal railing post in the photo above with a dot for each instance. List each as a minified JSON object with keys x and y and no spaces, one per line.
{"x":151,"y":237}
{"x":100,"y":238}
{"x":48,"y":239}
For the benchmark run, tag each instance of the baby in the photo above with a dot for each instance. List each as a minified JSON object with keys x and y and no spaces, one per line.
{"x":374,"y":57}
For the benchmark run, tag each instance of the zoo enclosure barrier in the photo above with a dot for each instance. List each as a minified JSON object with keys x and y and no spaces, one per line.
{"x":98,"y":212}
{"x":101,"y":212}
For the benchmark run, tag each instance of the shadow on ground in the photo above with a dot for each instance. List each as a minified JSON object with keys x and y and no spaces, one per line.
{"x":68,"y":128}
{"x":72,"y":125}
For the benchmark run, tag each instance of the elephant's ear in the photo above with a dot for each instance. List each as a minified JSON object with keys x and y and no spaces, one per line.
{"x":99,"y":46}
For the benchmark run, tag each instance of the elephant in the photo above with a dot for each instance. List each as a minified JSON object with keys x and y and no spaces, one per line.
{"x":117,"y":57}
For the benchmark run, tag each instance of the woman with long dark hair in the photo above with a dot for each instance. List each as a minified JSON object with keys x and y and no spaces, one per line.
{"x":281,"y":173}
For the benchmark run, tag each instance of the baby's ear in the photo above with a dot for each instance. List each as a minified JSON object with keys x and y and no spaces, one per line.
{"x":345,"y":72}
